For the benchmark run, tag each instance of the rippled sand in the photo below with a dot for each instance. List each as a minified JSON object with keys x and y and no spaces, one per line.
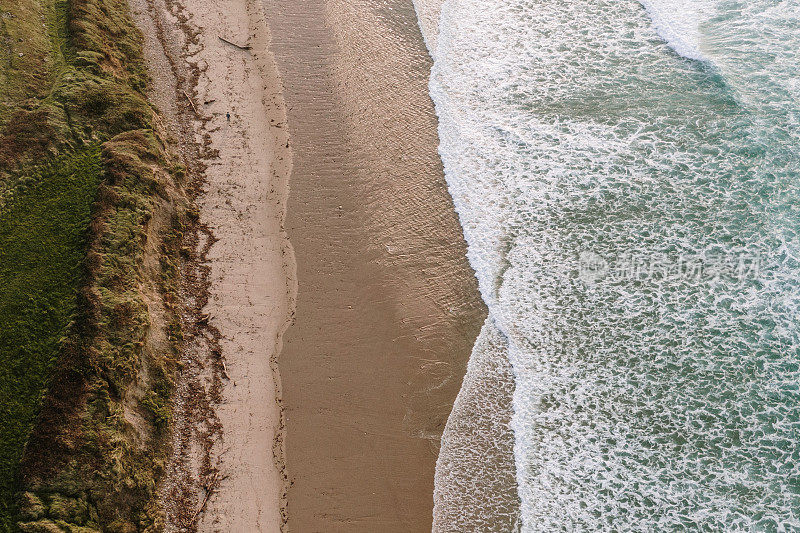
{"x":387,"y":307}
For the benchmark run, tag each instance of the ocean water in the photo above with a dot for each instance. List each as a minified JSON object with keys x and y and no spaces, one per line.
{"x":627,"y":175}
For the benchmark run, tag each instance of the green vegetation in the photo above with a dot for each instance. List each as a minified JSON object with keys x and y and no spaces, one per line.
{"x":86,"y":465}
{"x":71,"y":72}
{"x":29,"y":59}
{"x":85,"y":203}
{"x":43,"y":230}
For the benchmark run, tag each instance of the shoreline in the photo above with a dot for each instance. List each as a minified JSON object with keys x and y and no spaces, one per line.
{"x":388,"y":306}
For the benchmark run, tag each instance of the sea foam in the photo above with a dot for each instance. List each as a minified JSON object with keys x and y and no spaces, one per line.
{"x":678,"y":23}
{"x":633,"y":219}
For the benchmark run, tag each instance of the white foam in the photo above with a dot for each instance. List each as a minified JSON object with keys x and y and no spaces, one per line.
{"x":566,"y":127}
{"x":428,"y":14}
{"x":678,"y":23}
{"x":475,"y":487}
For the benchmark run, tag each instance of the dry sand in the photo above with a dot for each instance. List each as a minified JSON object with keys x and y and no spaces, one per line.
{"x":251,"y":277}
{"x":228,"y":470}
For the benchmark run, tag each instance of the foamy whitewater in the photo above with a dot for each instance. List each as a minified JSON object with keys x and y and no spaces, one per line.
{"x":628,"y":178}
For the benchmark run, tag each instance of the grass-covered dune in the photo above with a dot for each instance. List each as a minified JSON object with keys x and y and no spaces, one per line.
{"x":91,"y":215}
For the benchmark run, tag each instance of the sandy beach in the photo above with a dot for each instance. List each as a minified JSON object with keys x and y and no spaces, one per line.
{"x":345,"y":411}
{"x":216,"y":79}
{"x":251,"y":288}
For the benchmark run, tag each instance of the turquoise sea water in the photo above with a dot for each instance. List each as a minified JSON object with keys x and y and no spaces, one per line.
{"x":628,"y":178}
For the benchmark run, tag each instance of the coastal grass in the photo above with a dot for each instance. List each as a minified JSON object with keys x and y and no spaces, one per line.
{"x":84,"y":390}
{"x":94,"y":458}
{"x":71,"y":73}
{"x":43,"y":236}
{"x":30,"y":55}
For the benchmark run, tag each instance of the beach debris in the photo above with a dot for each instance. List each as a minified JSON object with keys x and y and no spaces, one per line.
{"x":209,"y":488}
{"x":247,"y":47}
{"x":158,"y":120}
{"x":191,"y":102}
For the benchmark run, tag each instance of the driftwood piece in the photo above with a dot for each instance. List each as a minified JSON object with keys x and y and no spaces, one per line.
{"x":248,"y":47}
{"x":209,"y":490}
{"x":210,"y":487}
{"x":191,"y":103}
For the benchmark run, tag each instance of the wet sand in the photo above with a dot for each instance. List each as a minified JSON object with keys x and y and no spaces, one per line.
{"x":387,"y":307}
